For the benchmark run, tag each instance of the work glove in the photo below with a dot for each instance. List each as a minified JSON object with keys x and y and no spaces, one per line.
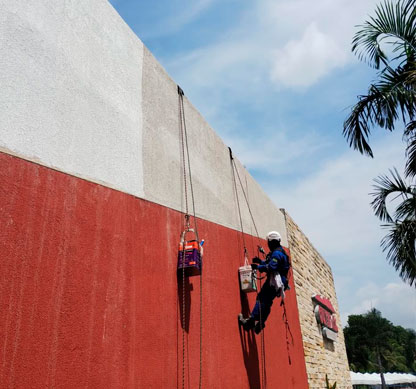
{"x":254,"y":266}
{"x":257,"y":260}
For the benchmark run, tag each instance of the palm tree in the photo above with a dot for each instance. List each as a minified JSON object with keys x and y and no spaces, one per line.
{"x":393,"y":96}
{"x":387,"y":42}
{"x":400,"y":241}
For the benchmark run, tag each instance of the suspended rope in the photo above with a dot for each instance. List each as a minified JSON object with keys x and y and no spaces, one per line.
{"x":288,"y":331}
{"x":238,"y":202}
{"x":183,"y":321}
{"x":285,"y":319}
{"x":246,"y":198}
{"x":185,"y":146}
{"x":200,"y":331}
{"x":183,"y":246}
{"x":235,"y":170}
{"x":263,"y":354}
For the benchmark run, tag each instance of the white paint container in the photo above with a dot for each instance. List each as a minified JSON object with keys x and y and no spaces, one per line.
{"x":247,"y":279}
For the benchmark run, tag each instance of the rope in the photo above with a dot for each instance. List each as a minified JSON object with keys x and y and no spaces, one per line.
{"x":245,"y":197}
{"x":288,"y":331}
{"x":235,"y":170}
{"x":238,"y":202}
{"x":181,"y":126}
{"x":286,"y":321}
{"x":184,"y":144}
{"x":263,"y":355}
{"x":181,"y":94}
{"x":200,"y":330}
{"x":197,"y":238}
{"x":186,"y":226}
{"x":287,"y":326}
{"x":183,"y":317}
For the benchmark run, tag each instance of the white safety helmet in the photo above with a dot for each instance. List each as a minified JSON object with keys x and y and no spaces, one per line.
{"x":273,"y":235}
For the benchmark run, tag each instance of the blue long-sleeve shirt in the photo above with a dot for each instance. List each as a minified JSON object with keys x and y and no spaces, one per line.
{"x":276,"y":261}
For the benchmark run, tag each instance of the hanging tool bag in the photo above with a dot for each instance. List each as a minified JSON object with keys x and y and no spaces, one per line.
{"x":189,"y":255}
{"x":247,"y":278}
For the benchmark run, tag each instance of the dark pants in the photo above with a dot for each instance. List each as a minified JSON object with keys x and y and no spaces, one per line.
{"x":264,"y":302}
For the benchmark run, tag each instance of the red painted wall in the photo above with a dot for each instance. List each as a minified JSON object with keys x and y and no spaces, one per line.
{"x":89,"y":294}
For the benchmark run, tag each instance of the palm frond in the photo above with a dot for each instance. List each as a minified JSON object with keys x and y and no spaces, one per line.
{"x":357,"y":125}
{"x":398,"y":85}
{"x":385,"y":101}
{"x":410,"y":129}
{"x":384,"y":188}
{"x":410,"y":169}
{"x":400,"y":246}
{"x":391,"y":20}
{"x":410,"y":72}
{"x":406,"y":209}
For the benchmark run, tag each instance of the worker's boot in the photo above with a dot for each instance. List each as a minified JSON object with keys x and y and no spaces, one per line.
{"x":247,"y":324}
{"x":258,"y":327}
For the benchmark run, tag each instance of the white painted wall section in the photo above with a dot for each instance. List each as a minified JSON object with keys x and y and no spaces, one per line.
{"x":70,"y":76}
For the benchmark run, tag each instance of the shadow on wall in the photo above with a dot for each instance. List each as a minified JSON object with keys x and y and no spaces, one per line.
{"x":185,"y":287}
{"x":184,"y":297}
{"x":249,"y":347}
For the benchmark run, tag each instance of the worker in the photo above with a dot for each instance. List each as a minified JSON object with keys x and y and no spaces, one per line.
{"x":277,"y":267}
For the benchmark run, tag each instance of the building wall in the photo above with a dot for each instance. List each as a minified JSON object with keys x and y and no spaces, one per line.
{"x":84,"y":96}
{"x":90,"y":297}
{"x":91,"y":206}
{"x":312,"y":275}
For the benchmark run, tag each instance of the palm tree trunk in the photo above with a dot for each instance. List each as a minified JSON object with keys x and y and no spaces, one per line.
{"x":380,"y":366}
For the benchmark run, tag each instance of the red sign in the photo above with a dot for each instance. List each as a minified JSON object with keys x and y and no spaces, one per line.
{"x":325,"y":318}
{"x":324,"y":312}
{"x":324,"y":302}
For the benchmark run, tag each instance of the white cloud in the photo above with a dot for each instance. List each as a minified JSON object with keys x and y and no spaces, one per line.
{"x":313,"y":38}
{"x":395,"y":301}
{"x":303,"y":62}
{"x":290,"y":43}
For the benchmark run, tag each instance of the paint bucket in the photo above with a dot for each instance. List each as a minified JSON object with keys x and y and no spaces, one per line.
{"x":247,"y":279}
{"x":189,"y":256}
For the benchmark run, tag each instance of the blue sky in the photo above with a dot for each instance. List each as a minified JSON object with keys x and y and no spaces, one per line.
{"x":275,"y":79}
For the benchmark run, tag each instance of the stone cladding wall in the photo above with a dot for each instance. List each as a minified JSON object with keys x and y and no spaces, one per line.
{"x":312,"y":275}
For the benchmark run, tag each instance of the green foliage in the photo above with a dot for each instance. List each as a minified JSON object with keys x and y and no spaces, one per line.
{"x":399,"y":243}
{"x":370,"y":335}
{"x":387,"y":42}
{"x":328,"y":386}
